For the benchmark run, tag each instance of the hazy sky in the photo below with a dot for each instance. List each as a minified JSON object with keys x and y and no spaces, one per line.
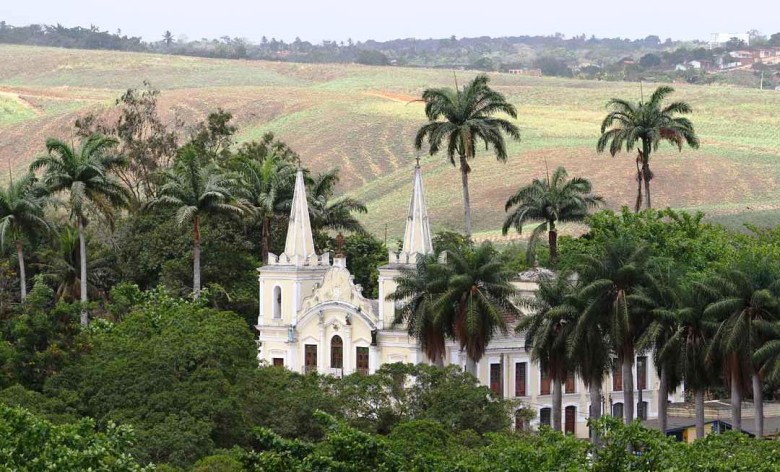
{"x":389,"y":19}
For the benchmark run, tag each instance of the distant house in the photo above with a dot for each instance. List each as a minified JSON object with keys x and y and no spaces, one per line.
{"x":627,"y":61}
{"x":681,"y":421}
{"x":528,"y":72}
{"x":719,"y":39}
{"x":681,"y":67}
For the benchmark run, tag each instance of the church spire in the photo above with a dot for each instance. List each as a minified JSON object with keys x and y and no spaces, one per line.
{"x":300,"y":244}
{"x":417,"y":237}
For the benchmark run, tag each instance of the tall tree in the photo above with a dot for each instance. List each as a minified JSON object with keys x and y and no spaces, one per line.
{"x":462,"y":118}
{"x":21,"y":213}
{"x":660,"y":302}
{"x":168,"y":38}
{"x":416,"y":291}
{"x":550,"y":200}
{"x":748,"y":297}
{"x":60,"y":266}
{"x":197,"y":190}
{"x":86,"y":175}
{"x":611,"y":281}
{"x":477,"y":299}
{"x":547,"y":328}
{"x":589,"y":349}
{"x":266,"y":187}
{"x":329,"y":213}
{"x":688,"y":344}
{"x":646,"y":124}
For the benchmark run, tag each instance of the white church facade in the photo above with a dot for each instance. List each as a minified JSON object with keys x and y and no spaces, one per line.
{"x":313,"y":318}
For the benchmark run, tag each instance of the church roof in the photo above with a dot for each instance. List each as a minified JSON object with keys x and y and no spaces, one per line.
{"x":299,"y":245}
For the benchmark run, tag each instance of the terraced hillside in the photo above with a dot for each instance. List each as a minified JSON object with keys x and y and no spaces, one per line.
{"x":359,"y":119}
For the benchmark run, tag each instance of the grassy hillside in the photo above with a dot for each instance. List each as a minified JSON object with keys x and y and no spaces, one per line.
{"x":359,"y":119}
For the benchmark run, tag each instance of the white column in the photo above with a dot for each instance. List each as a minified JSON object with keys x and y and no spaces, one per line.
{"x":505,"y":374}
{"x":373,"y":359}
{"x":346,"y":360}
{"x":381,"y":313}
{"x":296,"y":302}
{"x":262,"y":305}
{"x":321,"y":351}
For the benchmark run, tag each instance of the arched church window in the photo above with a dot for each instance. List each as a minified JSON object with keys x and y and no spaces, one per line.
{"x":277,"y":300}
{"x":336,"y":353}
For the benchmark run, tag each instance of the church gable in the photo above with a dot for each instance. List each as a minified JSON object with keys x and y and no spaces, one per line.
{"x":338,"y":286}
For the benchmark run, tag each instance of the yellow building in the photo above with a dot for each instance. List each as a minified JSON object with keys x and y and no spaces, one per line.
{"x":313,"y":318}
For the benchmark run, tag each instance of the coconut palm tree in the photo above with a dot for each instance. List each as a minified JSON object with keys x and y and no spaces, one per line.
{"x":416,"y":291}
{"x":266,"y":186}
{"x":477,"y":299}
{"x":748,"y":297}
{"x":550,"y":200}
{"x":611,"y":282}
{"x":547,"y":328}
{"x":459,"y":120}
{"x":329,"y":213}
{"x":646,"y":124}
{"x":86,"y":176}
{"x":21,"y":213}
{"x":197,"y":190}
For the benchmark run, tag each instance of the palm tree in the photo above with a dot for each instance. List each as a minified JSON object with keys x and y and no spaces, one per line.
{"x":21,"y":213}
{"x":197,"y":190}
{"x":60,"y":266}
{"x":588,"y":349}
{"x":328,"y":213}
{"x":688,"y":344}
{"x":610,"y":284}
{"x":266,"y":184}
{"x":416,"y":291}
{"x":547,"y":329}
{"x":459,"y":119}
{"x":550,"y":200}
{"x":476,"y":300}
{"x":646,"y":123}
{"x":748,"y":297}
{"x":85,"y":174}
{"x":666,"y":303}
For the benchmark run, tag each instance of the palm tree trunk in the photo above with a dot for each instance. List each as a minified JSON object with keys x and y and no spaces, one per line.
{"x":646,"y":170}
{"x":646,"y":176}
{"x":663,"y":399}
{"x":557,"y":403}
{"x":628,"y":384}
{"x":83,"y":260}
{"x":266,"y":239}
{"x":595,"y":406}
{"x":736,"y":399}
{"x":471,"y":366}
{"x":758,"y":405}
{"x":698,"y":396}
{"x":22,"y":274}
{"x":639,"y":181}
{"x":464,"y":175}
{"x":196,"y":257}
{"x":552,"y":237}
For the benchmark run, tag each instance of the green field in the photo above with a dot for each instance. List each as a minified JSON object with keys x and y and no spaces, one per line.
{"x":359,"y":119}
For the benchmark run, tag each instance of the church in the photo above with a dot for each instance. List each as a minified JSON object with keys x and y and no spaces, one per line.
{"x":314,"y":318}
